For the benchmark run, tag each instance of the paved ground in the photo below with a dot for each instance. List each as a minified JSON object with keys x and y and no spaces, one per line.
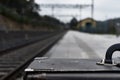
{"x":83,"y":46}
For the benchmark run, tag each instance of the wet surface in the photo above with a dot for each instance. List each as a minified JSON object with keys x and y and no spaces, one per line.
{"x":83,"y":46}
{"x":78,"y":52}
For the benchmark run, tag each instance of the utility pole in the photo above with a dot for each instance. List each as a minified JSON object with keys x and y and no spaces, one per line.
{"x":80,"y":13}
{"x":92,"y":9}
{"x":52,"y":10}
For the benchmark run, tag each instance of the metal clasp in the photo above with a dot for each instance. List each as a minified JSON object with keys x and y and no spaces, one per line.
{"x":108,"y":57}
{"x":102,"y":62}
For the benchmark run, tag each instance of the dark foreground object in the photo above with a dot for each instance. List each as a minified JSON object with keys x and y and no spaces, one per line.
{"x":70,"y":69}
{"x":75,"y":69}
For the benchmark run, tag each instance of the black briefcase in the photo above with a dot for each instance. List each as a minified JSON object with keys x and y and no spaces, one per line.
{"x":70,"y":69}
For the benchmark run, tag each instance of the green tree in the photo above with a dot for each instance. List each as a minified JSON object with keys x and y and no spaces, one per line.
{"x":73,"y":24}
{"x":21,"y":6}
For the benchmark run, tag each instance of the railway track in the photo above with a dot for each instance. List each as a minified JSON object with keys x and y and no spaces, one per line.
{"x":12,"y":63}
{"x":22,"y":43}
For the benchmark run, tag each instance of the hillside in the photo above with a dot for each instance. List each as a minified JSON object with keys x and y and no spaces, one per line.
{"x":24,"y":15}
{"x":108,"y":26}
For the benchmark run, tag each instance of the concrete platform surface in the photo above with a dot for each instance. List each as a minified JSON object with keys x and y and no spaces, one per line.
{"x":83,"y":46}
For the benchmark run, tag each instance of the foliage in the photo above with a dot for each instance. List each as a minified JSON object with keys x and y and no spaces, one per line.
{"x":73,"y":23}
{"x":21,"y":6}
{"x":26,"y":12}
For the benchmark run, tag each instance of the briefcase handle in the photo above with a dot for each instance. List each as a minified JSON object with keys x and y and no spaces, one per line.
{"x":108,"y":57}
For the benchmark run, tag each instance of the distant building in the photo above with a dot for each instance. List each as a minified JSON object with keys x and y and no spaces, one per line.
{"x":87,"y":25}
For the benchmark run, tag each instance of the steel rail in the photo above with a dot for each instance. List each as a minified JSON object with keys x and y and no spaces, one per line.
{"x":46,"y":44}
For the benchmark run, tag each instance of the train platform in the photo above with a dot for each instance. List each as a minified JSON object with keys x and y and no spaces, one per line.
{"x":80,"y":45}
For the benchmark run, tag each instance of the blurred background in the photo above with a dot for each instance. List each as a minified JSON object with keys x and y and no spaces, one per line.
{"x":92,"y":16}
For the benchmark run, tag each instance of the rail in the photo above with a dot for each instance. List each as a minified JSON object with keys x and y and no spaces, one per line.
{"x":14,"y":62}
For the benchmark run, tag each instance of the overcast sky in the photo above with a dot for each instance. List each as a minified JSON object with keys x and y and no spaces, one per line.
{"x":104,"y":9}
